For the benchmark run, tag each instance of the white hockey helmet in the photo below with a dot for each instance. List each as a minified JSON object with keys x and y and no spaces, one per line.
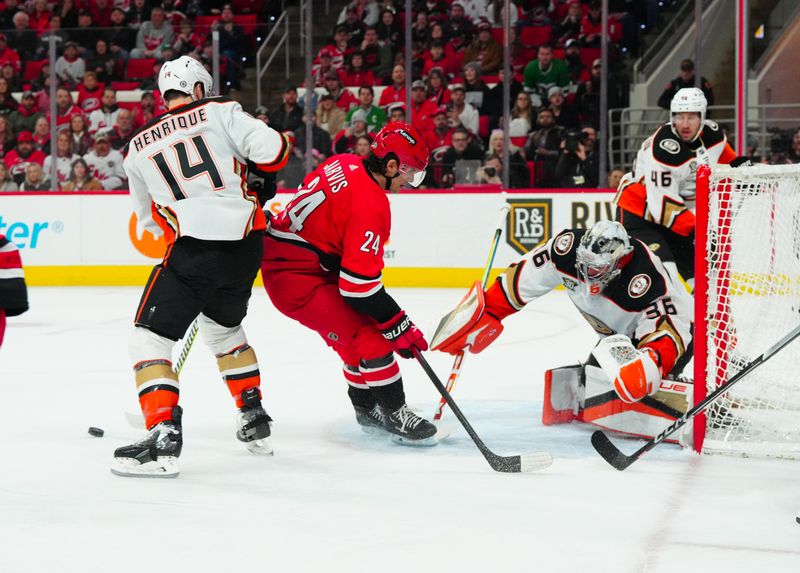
{"x":689,"y":100}
{"x":182,"y":74}
{"x":601,"y":254}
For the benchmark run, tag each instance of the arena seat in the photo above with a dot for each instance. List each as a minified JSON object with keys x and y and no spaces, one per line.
{"x":535,"y":35}
{"x":140,"y":68}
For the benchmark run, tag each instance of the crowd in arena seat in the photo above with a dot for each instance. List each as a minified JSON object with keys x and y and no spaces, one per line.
{"x":104,"y":49}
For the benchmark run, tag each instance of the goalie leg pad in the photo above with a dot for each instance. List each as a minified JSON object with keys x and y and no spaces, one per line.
{"x":562,"y":394}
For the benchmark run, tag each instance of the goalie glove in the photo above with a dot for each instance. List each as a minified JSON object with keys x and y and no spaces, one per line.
{"x":634,"y":373}
{"x":403,"y":335}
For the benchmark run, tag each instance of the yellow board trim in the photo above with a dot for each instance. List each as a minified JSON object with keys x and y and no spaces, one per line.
{"x":137,"y":276}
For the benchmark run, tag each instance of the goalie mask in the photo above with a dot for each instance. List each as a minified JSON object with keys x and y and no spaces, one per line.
{"x":603,"y":251}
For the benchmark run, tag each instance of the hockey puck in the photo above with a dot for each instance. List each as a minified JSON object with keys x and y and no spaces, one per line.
{"x":96,"y":432}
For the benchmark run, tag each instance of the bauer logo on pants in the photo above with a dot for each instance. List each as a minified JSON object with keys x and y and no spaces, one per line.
{"x":529,"y":222}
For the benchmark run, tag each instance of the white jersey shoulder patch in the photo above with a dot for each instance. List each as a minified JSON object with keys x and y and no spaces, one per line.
{"x":563,"y":244}
{"x":639,"y":285}
{"x":670,"y":146}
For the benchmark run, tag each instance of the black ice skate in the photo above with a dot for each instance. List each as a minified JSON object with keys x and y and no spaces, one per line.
{"x":372,"y":421}
{"x":254,"y":424}
{"x":409,"y":429}
{"x":154,"y":456}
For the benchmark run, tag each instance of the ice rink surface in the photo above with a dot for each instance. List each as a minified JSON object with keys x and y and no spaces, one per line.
{"x":334,"y":499}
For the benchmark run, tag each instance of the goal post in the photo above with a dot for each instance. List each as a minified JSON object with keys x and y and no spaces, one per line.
{"x":747,"y":297}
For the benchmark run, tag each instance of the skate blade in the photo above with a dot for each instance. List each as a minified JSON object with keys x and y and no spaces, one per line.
{"x":373,"y":431}
{"x":262,"y":447}
{"x":423,"y":443}
{"x":163,"y":467}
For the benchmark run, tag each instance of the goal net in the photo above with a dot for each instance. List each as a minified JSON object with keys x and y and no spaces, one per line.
{"x":747,"y":298}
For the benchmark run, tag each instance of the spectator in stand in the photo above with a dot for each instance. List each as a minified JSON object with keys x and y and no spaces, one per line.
{"x":120,"y":36}
{"x":7,"y":138}
{"x":396,"y":112}
{"x":575,"y":69}
{"x":458,"y":29}
{"x":14,"y":81}
{"x":495,"y":12}
{"x":149,"y":110}
{"x":422,"y":109}
{"x":460,"y":113}
{"x":377,"y":57}
{"x":41,"y":135}
{"x":9,"y":55}
{"x":484,"y":50}
{"x":474,"y":10}
{"x":232,"y":42}
{"x":354,"y":26}
{"x":341,"y":95}
{"x":545,"y":72}
{"x":81,"y":138}
{"x":90,"y":93}
{"x":523,"y":111}
{"x":320,"y":138}
{"x":262,"y":114}
{"x":396,"y":92}
{"x":101,"y":12}
{"x":102,"y":62}
{"x":475,"y":89}
{"x":6,"y":182}
{"x":588,"y":95}
{"x":389,"y":30}
{"x":376,"y":117}
{"x":339,"y":48}
{"x":454,"y":58}
{"x":355,"y":74}
{"x":436,"y":9}
{"x":291,"y":175}
{"x":24,"y":153}
{"x":10,"y":8}
{"x":614,"y":177}
{"x":64,"y":158}
{"x":138,"y":13}
{"x":368,"y":12}
{"x":188,"y":40}
{"x":436,"y":59}
{"x":345,"y":140}
{"x":24,"y":119}
{"x":420,"y":29}
{"x":493,"y":101}
{"x":544,"y":147}
{"x":441,"y":136}
{"x":437,"y":91}
{"x":577,"y":166}
{"x":288,"y":116}
{"x":86,"y":31}
{"x":363,"y":145}
{"x":70,"y":67}
{"x":685,"y":79}
{"x":7,"y":102}
{"x":462,"y":148}
{"x":570,"y":27}
{"x":592,"y":26}
{"x":105,"y":163}
{"x":34,"y":179}
{"x":329,"y":117}
{"x":321,"y":67}
{"x":793,"y":155}
{"x":67,"y":12}
{"x":22,"y":38}
{"x":81,"y":178}
{"x":564,"y":114}
{"x":65,"y":108}
{"x":123,"y":129}
{"x":152,"y":35}
{"x":39,"y":17}
{"x":519,"y":176}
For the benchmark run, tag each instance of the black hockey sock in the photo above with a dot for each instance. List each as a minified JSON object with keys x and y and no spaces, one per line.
{"x":391,"y":396}
{"x":361,"y":398}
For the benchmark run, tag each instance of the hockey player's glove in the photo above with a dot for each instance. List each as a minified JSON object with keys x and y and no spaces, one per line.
{"x":403,"y":335}
{"x":634,"y":373}
{"x":741,"y":161}
{"x":263,"y":183}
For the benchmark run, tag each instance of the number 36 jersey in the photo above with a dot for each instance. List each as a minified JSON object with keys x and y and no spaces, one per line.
{"x":187,"y":170}
{"x":642,"y":302}
{"x":342,"y":214}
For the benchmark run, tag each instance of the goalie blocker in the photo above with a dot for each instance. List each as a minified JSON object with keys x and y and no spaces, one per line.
{"x":624,"y":292}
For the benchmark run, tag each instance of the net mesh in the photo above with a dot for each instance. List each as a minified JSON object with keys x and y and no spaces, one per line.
{"x":753,"y":258}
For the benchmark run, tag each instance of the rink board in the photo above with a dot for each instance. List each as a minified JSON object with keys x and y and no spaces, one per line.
{"x":439,"y":239}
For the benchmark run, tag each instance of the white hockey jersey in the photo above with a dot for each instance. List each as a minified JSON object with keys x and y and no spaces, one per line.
{"x":642,"y":302}
{"x":661,"y":187}
{"x":107,"y":169}
{"x":187,"y":170}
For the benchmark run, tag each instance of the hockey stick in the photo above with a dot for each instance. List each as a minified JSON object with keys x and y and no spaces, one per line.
{"x":455,"y":370}
{"x":137,"y":420}
{"x":620,"y":461}
{"x":509,"y":464}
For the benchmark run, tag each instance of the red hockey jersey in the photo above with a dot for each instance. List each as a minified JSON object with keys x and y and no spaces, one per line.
{"x":342,"y":213}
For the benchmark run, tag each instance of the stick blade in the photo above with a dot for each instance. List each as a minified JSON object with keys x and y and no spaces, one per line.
{"x":610,"y":452}
{"x":535,"y":461}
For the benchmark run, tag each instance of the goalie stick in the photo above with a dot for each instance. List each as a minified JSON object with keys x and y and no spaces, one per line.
{"x":455,"y":370}
{"x":509,"y":464}
{"x":620,"y":461}
{"x":137,"y":420}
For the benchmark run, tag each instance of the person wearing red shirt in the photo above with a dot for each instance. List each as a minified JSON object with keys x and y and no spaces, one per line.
{"x":323,"y":258}
{"x":39,"y":17}
{"x":436,"y":58}
{"x":422,"y":109}
{"x":65,"y":109}
{"x":90,"y":93}
{"x":9,"y":56}
{"x":397,"y":91}
{"x":592,"y":25}
{"x":342,"y":96}
{"x":354,"y":74}
{"x":25,"y":152}
{"x":346,"y":139}
{"x":441,"y":136}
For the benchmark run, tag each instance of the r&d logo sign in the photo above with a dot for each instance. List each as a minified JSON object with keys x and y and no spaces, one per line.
{"x":528,"y":223}
{"x":27,"y":235}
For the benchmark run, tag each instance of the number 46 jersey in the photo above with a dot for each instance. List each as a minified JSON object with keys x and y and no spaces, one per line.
{"x":187,"y":170}
{"x":342,"y":214}
{"x":642,"y":302}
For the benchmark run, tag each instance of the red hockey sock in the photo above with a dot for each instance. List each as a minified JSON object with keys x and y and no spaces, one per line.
{"x":2,"y":324}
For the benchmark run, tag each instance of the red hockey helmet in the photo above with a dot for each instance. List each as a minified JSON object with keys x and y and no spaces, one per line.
{"x":404,"y":142}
